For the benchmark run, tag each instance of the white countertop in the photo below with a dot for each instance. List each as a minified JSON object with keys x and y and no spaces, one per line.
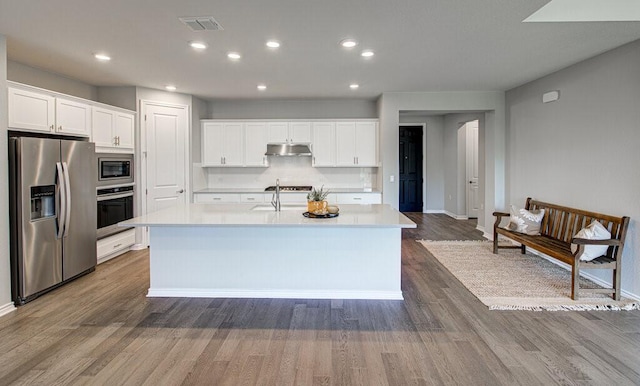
{"x":261,"y":190}
{"x":242,"y":215}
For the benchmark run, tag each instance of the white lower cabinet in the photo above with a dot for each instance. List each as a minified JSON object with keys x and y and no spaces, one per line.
{"x":115,"y":245}
{"x":359,"y":198}
{"x":217,"y":198}
{"x":252,"y":198}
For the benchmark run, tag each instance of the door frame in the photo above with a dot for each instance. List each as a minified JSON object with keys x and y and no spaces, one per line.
{"x":424,"y":161}
{"x":467,"y":165}
{"x":141,"y":161}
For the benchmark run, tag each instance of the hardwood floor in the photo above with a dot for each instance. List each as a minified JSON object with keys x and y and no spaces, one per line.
{"x":101,"y":329}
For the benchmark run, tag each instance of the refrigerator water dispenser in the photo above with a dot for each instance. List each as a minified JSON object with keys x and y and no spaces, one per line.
{"x":43,"y":201}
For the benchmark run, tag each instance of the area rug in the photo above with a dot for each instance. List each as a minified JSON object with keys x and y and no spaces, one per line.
{"x":512,"y":281}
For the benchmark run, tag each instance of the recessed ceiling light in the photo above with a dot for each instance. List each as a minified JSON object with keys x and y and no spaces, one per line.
{"x":102,"y":57}
{"x":198,"y":45}
{"x":262,"y":87}
{"x":273,"y":44}
{"x":354,"y":86}
{"x":233,"y":55}
{"x":348,"y":43}
{"x":367,"y":53}
{"x":170,"y":88}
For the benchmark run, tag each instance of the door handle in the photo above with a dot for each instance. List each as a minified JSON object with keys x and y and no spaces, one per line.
{"x":63,"y":202}
{"x":180,"y":191}
{"x":67,"y":184}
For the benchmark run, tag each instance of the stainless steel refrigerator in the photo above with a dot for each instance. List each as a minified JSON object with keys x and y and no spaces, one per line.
{"x":52,"y":213}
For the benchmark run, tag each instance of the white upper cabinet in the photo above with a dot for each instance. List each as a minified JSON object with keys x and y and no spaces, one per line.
{"x":255,"y":145}
{"x":112,"y":130}
{"x":323,"y":146}
{"x":31,"y":111}
{"x":357,"y":144}
{"x":72,"y":117}
{"x":289,"y":132}
{"x":222,"y":144}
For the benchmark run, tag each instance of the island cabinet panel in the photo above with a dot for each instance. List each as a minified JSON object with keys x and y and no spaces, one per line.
{"x":357,"y":144}
{"x":222,"y":144}
{"x":255,"y":145}
{"x":359,"y":198}
{"x":323,"y":146}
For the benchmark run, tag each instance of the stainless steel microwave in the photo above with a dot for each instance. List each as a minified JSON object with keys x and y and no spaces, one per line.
{"x":115,"y":169}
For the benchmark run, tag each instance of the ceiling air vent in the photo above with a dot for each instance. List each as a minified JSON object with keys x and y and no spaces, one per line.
{"x":201,"y":23}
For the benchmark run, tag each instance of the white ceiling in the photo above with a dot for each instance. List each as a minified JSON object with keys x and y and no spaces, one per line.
{"x":420,"y":45}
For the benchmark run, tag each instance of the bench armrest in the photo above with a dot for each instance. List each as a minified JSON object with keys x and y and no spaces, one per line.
{"x":578,"y":241}
{"x":501,"y":214}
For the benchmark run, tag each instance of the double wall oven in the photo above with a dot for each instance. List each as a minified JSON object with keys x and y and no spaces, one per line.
{"x":115,"y":192}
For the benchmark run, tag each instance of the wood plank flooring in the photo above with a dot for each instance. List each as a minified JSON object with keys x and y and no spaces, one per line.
{"x":102,"y":330}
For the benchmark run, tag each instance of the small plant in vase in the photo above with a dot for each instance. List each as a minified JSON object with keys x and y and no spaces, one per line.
{"x":316,"y":202}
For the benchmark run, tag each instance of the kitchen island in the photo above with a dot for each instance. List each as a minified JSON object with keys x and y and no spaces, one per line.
{"x":252,"y":251}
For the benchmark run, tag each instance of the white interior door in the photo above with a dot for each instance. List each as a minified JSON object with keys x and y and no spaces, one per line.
{"x":473,"y":199}
{"x":166,"y":156}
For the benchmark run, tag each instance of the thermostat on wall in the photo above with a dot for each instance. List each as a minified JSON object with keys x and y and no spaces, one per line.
{"x":550,"y":96}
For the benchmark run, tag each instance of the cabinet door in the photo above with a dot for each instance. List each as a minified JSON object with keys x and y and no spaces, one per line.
{"x":124,"y":131}
{"x":278,"y":132}
{"x":31,"y":111}
{"x":102,"y":123}
{"x":255,"y":145}
{"x":366,"y":144}
{"x":233,"y":151}
{"x":300,"y":132}
{"x":324,"y":144}
{"x":73,"y":117}
{"x":212,"y":143}
{"x":345,"y":143}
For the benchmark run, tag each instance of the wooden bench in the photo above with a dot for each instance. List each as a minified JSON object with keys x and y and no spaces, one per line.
{"x":557,"y":231}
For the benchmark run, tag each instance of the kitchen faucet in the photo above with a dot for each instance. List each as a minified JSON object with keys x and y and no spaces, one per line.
{"x":275,"y":198}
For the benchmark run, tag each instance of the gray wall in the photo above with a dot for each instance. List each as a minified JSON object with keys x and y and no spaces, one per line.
{"x":433,"y":194}
{"x":5,"y":272}
{"x":492,"y":103}
{"x":22,"y":73}
{"x":292,"y":109}
{"x":123,"y":96}
{"x":582,"y":150}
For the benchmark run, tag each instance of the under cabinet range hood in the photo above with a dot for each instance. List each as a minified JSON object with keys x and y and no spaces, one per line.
{"x":288,"y":150}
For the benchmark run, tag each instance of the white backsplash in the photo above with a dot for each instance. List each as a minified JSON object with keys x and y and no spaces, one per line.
{"x":291,"y":171}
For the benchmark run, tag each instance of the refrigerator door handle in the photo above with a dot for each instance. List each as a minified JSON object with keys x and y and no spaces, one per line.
{"x":67,"y":217}
{"x":63,"y":201}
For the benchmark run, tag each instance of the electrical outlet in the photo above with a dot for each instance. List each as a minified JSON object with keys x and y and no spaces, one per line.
{"x":392,"y":178}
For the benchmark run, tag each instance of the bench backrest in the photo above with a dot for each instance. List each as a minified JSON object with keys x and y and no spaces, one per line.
{"x":562,"y":223}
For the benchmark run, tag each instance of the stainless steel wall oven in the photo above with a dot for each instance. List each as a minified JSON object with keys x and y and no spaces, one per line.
{"x":115,"y":192}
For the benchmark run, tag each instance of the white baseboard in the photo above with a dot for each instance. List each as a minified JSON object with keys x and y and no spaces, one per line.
{"x":272,"y":294}
{"x":589,"y":276}
{"x":456,"y":216}
{"x":480,"y":228}
{"x":137,"y":247}
{"x":5,"y":309}
{"x":436,"y":211}
{"x":488,"y":236}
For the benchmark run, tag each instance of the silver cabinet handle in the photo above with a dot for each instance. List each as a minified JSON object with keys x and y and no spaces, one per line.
{"x":52,"y":127}
{"x":180,"y":191}
{"x":116,"y":246}
{"x":250,"y":199}
{"x":60,"y":128}
{"x":217,"y":198}
{"x":357,"y":198}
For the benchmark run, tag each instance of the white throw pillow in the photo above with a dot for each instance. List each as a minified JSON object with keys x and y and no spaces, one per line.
{"x":525,"y":221}
{"x":594,"y":231}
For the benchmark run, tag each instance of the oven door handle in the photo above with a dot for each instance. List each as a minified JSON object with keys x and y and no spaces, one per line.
{"x":106,"y":197}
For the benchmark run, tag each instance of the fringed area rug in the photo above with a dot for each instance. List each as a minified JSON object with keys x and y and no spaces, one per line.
{"x":512,"y":281}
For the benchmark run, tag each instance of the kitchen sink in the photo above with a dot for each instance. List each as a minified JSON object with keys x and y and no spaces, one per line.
{"x":269,"y":207}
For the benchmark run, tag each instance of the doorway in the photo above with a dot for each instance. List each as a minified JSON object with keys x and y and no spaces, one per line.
{"x":410,"y":153}
{"x":472,"y":193}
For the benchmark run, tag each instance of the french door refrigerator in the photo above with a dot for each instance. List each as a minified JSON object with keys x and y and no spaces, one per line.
{"x":52,"y":213}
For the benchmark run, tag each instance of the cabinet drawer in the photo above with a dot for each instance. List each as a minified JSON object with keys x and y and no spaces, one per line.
{"x":213,"y":198}
{"x":116,"y":243}
{"x":359,"y":198}
{"x":252,"y":197}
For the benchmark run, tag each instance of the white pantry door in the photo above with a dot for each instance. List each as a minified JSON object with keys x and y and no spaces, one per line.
{"x":166,"y":138}
{"x":473,"y":198}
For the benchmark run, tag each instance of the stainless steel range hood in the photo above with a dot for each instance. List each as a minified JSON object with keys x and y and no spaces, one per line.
{"x":288,"y":150}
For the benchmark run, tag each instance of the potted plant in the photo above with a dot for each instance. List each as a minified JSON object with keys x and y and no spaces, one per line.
{"x":316,"y":202}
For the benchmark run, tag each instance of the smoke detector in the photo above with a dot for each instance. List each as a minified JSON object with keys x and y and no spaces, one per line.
{"x":201,"y":23}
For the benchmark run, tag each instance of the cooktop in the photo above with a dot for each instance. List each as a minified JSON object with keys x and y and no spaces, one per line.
{"x":292,"y":188}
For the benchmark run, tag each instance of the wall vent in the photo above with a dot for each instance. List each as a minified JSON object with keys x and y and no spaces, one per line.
{"x":201,"y":23}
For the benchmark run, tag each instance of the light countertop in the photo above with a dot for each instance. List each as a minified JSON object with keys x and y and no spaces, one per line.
{"x":242,"y":215}
{"x":261,"y":190}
